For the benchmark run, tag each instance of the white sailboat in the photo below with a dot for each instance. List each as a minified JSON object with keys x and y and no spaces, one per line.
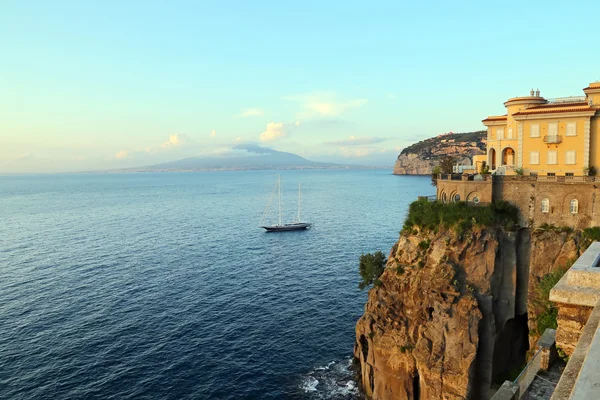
{"x":291,"y":226}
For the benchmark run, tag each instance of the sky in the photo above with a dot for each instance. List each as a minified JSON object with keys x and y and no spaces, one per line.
{"x":88,"y":85}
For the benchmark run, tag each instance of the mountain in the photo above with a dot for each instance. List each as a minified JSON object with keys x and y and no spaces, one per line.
{"x":421,"y":157}
{"x":241,"y":157}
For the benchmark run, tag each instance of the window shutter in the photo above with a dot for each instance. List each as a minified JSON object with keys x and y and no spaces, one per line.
{"x":552,"y":157}
{"x":534,"y":157}
{"x":571,"y":129}
{"x":509,"y":136}
{"x":571,"y":157}
{"x":500,"y":133}
{"x":535,"y":130}
{"x":553,"y":129}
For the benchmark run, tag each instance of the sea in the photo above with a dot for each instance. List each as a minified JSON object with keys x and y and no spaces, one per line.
{"x":163,"y":286}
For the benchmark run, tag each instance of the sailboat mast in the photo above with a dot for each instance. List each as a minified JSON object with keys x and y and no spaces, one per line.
{"x":279,"y":184}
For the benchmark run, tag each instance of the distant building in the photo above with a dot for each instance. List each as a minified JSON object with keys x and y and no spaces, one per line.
{"x":546,"y":137}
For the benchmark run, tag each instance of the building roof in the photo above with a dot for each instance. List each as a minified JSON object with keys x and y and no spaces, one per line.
{"x":557,"y":109}
{"x":564,"y":105}
{"x":497,"y":118}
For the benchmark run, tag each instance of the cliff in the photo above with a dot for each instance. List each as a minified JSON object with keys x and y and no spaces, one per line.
{"x":452,"y":313}
{"x":421,"y":157}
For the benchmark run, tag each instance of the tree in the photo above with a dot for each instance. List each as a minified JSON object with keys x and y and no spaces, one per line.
{"x":434,"y":175}
{"x":447,"y":164}
{"x":371,"y":267}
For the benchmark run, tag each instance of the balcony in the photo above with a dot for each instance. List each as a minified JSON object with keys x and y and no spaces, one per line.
{"x":553,"y":139}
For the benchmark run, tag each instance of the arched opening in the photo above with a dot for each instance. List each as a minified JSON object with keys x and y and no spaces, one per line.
{"x":508,"y":156}
{"x":574,"y":207}
{"x":545,"y":205}
{"x":492,"y":158}
{"x":444,"y":197}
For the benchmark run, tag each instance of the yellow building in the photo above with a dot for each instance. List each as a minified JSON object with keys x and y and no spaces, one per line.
{"x":559,"y":137}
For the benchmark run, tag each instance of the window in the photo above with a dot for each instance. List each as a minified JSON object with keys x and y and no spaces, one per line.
{"x":553,"y":129}
{"x":545,"y":205}
{"x":476,"y":200}
{"x":500,"y":133}
{"x":571,"y":129}
{"x":569,"y":174}
{"x":570,"y":157}
{"x":552,"y":157}
{"x":509,"y":135}
{"x":551,"y":174}
{"x":574,"y":206}
{"x":456,"y":198}
{"x":534,"y":157}
{"x":533,"y":174}
{"x":535,"y":130}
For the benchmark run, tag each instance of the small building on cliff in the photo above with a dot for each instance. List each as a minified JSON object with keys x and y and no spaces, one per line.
{"x":542,"y":156}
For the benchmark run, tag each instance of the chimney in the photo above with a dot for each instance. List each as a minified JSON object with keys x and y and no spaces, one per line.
{"x":531,"y":93}
{"x":537,"y":93}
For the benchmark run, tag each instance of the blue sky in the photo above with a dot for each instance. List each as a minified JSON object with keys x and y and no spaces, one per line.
{"x":93,"y":85}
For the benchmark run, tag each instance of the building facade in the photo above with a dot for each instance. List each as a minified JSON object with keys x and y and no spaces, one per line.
{"x":540,"y":155}
{"x":556,"y":137}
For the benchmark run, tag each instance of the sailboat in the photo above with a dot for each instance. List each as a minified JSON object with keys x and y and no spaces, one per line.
{"x":291,"y":226}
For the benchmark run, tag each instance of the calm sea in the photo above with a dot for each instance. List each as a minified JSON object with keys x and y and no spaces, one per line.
{"x":162,"y":285}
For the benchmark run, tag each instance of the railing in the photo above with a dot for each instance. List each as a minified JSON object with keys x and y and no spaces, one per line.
{"x":552,"y":139}
{"x":567,"y":100}
{"x":529,"y":372}
{"x":530,"y":178}
{"x":428,"y":199}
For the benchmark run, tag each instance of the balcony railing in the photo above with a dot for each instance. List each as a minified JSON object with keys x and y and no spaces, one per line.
{"x":552,"y":139}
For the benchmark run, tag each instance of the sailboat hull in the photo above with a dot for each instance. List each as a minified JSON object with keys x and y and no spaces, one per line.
{"x":287,"y":227}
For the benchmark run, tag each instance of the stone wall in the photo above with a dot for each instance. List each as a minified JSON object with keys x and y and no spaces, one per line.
{"x":527,"y":193}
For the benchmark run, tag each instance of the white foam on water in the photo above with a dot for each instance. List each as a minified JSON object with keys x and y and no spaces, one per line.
{"x":309,"y":384}
{"x":332,"y":381}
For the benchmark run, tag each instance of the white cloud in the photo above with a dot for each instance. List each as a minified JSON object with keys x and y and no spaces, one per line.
{"x":275,"y":130}
{"x":213,"y":133}
{"x":122,"y":154}
{"x":238,"y":139}
{"x":325,"y":104}
{"x":174,"y":140}
{"x":251,"y":112}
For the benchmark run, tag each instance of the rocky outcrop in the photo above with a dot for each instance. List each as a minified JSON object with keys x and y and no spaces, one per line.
{"x":421,"y":157}
{"x":451,"y":313}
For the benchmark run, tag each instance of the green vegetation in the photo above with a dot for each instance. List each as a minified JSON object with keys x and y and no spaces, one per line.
{"x":588,"y":236}
{"x":545,"y":310}
{"x":459,"y":216}
{"x":589,"y":171}
{"x":447,"y":165}
{"x":519,"y":171}
{"x":434,"y":175}
{"x":424,"y":244}
{"x":371,"y":267}
{"x":545,"y":227}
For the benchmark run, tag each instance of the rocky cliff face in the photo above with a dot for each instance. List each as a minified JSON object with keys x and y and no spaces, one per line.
{"x":451,"y":313}
{"x":420,"y":158}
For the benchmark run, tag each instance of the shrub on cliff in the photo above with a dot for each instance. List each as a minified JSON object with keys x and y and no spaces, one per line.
{"x":460,"y":216}
{"x":590,"y":235}
{"x":545,"y":310}
{"x":371,"y":267}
